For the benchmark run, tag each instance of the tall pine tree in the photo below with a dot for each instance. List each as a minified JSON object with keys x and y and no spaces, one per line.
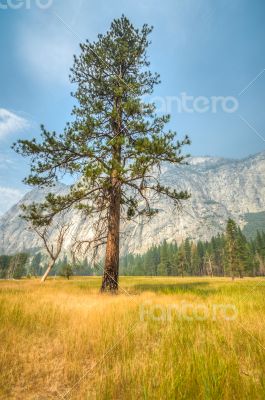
{"x":114,"y":143}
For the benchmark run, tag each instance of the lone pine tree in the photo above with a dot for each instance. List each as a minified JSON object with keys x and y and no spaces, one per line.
{"x":115,"y":143}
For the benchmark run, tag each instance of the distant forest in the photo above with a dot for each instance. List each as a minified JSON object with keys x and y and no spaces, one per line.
{"x":227,"y":254}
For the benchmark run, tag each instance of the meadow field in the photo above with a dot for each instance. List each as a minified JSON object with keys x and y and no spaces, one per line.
{"x":159,"y":338}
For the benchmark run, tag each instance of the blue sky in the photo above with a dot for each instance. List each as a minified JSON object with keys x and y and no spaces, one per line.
{"x":202,"y":48}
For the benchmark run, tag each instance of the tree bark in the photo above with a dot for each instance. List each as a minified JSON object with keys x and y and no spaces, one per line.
{"x":111,"y":268}
{"x":50,"y":266}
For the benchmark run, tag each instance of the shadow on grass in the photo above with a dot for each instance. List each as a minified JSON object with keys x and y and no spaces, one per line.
{"x":197,"y":288}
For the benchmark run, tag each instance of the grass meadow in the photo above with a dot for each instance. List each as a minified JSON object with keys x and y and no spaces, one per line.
{"x":160,"y":338}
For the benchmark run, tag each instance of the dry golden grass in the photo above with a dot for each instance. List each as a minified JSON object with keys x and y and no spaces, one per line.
{"x":65,"y":340}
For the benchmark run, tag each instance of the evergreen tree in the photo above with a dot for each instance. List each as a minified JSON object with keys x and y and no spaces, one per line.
{"x":4,"y":266}
{"x":35,"y":266}
{"x":187,"y":247}
{"x":173,"y":259}
{"x":181,"y":260}
{"x":195,"y":260}
{"x":231,"y":247}
{"x":85,"y":268}
{"x":244,"y":256}
{"x":200,"y":252}
{"x":208,"y":262}
{"x":17,"y":266}
{"x":164,"y":266}
{"x":66,"y":271}
{"x":260,"y":251}
{"x":151,"y":261}
{"x":114,"y":143}
{"x":218,"y":244}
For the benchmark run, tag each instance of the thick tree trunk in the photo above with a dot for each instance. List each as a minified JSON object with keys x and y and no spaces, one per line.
{"x":50,"y":266}
{"x":111,"y":268}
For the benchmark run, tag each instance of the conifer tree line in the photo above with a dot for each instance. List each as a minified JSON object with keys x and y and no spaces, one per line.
{"x":22,"y":265}
{"x":63,"y":267}
{"x":227,"y":254}
{"x":14,"y":266}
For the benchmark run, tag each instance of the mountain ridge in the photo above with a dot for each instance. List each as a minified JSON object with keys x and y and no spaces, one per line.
{"x":220,"y":188}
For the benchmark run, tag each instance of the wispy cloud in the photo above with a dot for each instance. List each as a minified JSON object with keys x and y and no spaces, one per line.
{"x":11,"y":123}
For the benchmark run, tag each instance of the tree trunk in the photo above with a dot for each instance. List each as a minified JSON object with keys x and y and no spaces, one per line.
{"x":50,"y":266}
{"x":111,"y":268}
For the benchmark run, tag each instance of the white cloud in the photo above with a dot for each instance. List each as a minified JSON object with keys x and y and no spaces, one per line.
{"x":9,"y":197}
{"x":11,"y":123}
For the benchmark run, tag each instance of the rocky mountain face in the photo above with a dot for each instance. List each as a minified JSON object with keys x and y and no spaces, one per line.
{"x":220,"y":188}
